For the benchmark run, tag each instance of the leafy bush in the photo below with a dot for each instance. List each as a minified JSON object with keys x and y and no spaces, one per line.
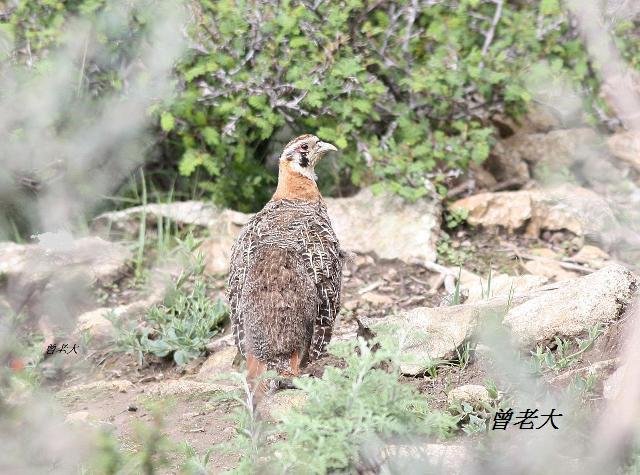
{"x":348,"y":408}
{"x":407,"y":90}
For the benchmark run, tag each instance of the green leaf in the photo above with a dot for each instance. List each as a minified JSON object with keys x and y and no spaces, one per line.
{"x":167,"y":121}
{"x":211,"y":136}
{"x":549,"y":7}
{"x":480,"y":152}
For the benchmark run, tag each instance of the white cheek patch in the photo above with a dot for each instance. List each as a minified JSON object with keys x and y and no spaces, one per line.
{"x":304,"y":171}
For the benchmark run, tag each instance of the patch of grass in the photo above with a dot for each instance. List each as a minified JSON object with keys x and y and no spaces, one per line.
{"x":582,"y":388}
{"x":544,"y":359}
{"x":183,"y":324}
{"x":472,"y":420}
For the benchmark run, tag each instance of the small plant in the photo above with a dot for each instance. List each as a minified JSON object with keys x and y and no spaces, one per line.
{"x":152,"y":456}
{"x":449,"y":254}
{"x":251,"y":432}
{"x":464,"y":354}
{"x":195,"y":463}
{"x":472,"y":420}
{"x":455,"y":217}
{"x":561,"y":358}
{"x":183,"y":324}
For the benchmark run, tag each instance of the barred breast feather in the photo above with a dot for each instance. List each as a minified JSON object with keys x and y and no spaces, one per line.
{"x":284,"y":282}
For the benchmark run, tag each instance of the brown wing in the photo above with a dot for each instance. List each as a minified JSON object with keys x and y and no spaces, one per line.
{"x":324,"y":261}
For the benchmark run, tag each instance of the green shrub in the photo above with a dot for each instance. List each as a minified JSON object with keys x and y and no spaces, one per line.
{"x":347,"y":410}
{"x":406,"y":93}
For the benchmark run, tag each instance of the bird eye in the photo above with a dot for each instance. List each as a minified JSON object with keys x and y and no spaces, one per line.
{"x":305,"y":146}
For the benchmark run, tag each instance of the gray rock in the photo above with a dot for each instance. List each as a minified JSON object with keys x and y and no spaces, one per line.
{"x":96,"y":325}
{"x":218,"y":364}
{"x":570,"y":208}
{"x":364,"y":223}
{"x":223,"y":225}
{"x":185,"y":388}
{"x":565,"y":309}
{"x":77,"y":418}
{"x":569,"y":308}
{"x":454,"y":459}
{"x":502,"y":285}
{"x":430,"y":334}
{"x":100,"y":260}
{"x":387,"y":226}
{"x":626,"y":146}
{"x":275,"y":405}
{"x":599,"y":369}
{"x":557,"y":148}
{"x":217,"y":247}
{"x":592,"y":256}
{"x":52,"y":276}
{"x":473,"y":394}
{"x":126,"y":223}
{"x":94,"y":390}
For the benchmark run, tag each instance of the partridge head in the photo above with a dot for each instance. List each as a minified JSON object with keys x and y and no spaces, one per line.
{"x":296,"y":176}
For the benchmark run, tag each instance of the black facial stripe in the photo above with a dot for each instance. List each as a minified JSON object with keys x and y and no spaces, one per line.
{"x":304,"y":159}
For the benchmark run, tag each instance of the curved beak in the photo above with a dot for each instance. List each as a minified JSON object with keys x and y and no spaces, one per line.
{"x":324,"y":147}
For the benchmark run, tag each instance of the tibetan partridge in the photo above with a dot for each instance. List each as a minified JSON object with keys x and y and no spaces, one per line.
{"x":286,"y":270}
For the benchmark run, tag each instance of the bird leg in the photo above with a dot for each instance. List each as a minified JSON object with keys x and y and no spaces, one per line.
{"x":255,"y":369}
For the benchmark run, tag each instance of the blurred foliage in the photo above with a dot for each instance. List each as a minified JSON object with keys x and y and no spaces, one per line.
{"x":407,"y":90}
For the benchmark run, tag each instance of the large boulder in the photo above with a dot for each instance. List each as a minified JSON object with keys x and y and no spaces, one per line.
{"x":54,"y":275}
{"x":501,"y":285}
{"x":544,"y":151}
{"x":101,"y":261}
{"x":126,"y":223}
{"x":473,"y":394}
{"x":570,"y":308}
{"x":453,"y":459}
{"x":96,"y":324}
{"x":223,"y":226}
{"x":566,"y":309}
{"x":217,"y":247}
{"x":555,"y":148}
{"x":432,"y":334}
{"x":569,"y":208}
{"x":365,"y":223}
{"x":387,"y":225}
